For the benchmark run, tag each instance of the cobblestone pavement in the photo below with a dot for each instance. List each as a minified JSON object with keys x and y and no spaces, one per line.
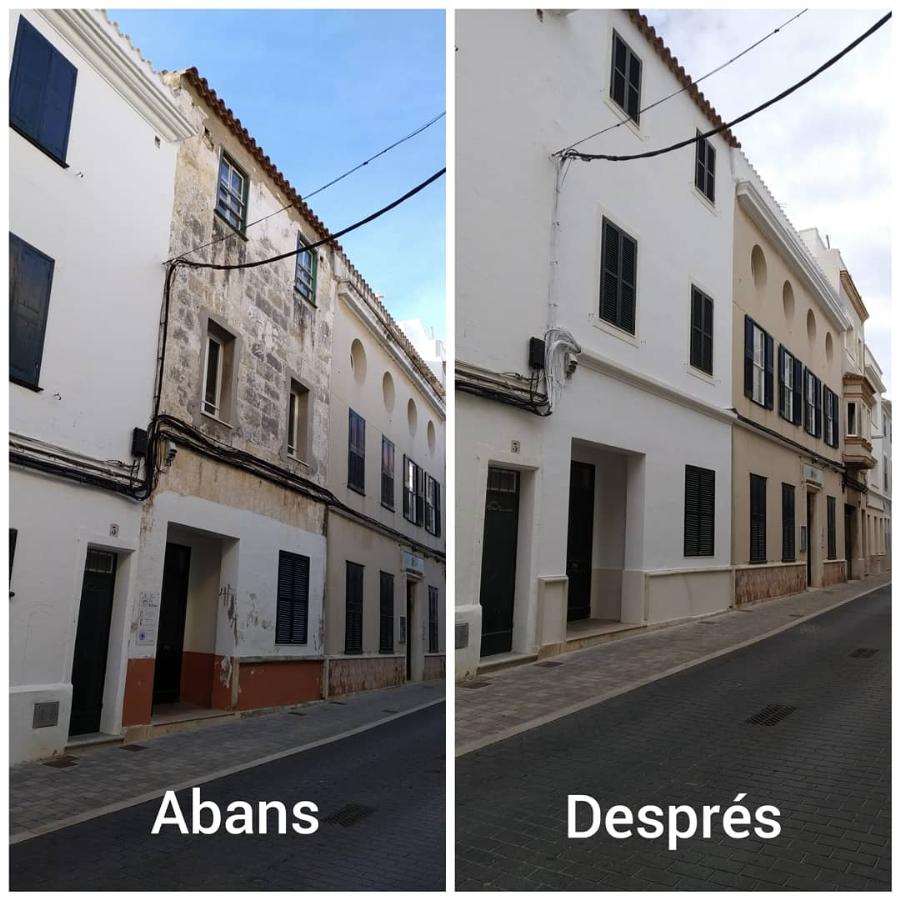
{"x":531,"y":694}
{"x":685,"y":740}
{"x":395,"y":772}
{"x":42,"y":797}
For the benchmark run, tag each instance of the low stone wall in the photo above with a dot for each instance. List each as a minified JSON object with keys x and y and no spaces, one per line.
{"x":835,"y":572}
{"x":752,"y":583}
{"x":435,"y":667}
{"x":349,"y":675}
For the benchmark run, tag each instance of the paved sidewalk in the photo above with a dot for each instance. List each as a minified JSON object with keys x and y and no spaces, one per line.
{"x":43,"y":798}
{"x":526,"y":696}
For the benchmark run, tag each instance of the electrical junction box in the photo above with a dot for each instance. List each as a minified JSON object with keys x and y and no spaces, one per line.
{"x":536,"y":350}
{"x":139,"y":442}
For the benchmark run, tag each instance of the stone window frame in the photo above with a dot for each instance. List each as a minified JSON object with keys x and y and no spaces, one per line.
{"x":291,"y":379}
{"x":233,"y":347}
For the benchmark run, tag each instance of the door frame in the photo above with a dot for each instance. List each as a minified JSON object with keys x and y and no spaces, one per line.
{"x":162,"y":600}
{"x":593,"y":489}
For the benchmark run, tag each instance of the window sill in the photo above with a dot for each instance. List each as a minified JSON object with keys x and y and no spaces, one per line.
{"x":701,"y":375}
{"x":390,"y":508}
{"x":614,"y":330}
{"x":357,"y":490}
{"x":241,"y":234}
{"x":296,"y":459}
{"x":757,"y":403}
{"x":352,"y":652}
{"x":757,"y":562}
{"x":215,"y":419}
{"x":34,"y":143}
{"x":709,"y":204}
{"x":298,"y":295}
{"x":386,"y":652}
{"x":27,"y":385}
{"x":629,"y":123}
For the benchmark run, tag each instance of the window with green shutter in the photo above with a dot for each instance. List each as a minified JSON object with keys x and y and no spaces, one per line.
{"x":305,"y":272}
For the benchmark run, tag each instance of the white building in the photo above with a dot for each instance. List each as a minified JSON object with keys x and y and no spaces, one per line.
{"x":614,"y":510}
{"x":86,"y":285}
{"x":879,"y":499}
{"x":430,"y":348}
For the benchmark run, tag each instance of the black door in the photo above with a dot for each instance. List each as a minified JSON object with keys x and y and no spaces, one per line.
{"x":848,"y":539}
{"x":409,"y":633}
{"x":170,"y":637}
{"x":579,"y":551}
{"x":809,"y":539}
{"x":92,"y":641}
{"x":498,"y":561}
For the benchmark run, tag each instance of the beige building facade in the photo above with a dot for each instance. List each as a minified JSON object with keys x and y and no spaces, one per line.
{"x":385,"y":590}
{"x":787,"y":466}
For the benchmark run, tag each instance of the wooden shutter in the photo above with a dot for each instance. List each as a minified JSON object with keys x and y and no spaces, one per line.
{"x":434,"y":642}
{"x":609,"y":277}
{"x":437,"y":509}
{"x":30,"y":280}
{"x":408,"y":501}
{"x":788,"y":525}
{"x":748,"y":357}
{"x":633,"y":105}
{"x":704,"y":173}
{"x":356,"y":458}
{"x":353,"y":620}
{"x":420,"y":495}
{"x":386,"y":619}
{"x":832,"y":528}
{"x":798,"y":392}
{"x":387,"y":472}
{"x":625,"y":78}
{"x":710,"y":171}
{"x":42,"y":91}
{"x":699,"y":511}
{"x":757,"y":518}
{"x":770,"y":381}
{"x":701,"y":331}
{"x":628,"y":283}
{"x":782,"y":408}
{"x":292,"y":608}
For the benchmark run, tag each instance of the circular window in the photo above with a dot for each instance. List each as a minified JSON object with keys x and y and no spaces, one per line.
{"x":811,"y":326}
{"x":787,"y":297}
{"x":387,"y":388}
{"x":758,"y":267}
{"x":430,"y":432}
{"x":358,"y":360}
{"x":412,"y":415}
{"x":829,"y":346}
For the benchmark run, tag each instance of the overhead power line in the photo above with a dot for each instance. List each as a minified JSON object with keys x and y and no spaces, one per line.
{"x":683,"y":89}
{"x":588,"y":157}
{"x":327,"y":240}
{"x":333,"y":181}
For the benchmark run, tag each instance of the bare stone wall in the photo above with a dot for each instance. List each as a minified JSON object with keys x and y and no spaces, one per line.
{"x":767,"y":582}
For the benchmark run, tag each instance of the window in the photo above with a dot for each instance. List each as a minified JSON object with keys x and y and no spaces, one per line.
{"x":387,"y":473}
{"x":386,"y":620}
{"x":298,"y":421}
{"x":231,"y":204}
{"x":353,"y":620}
{"x":434,"y":623}
{"x":851,"y":418}
{"x":618,"y":277}
{"x":701,"y":331}
{"x":30,"y":280}
{"x":305,"y":272}
{"x":885,"y":464}
{"x":758,"y":375}
{"x":705,"y":170}
{"x":788,"y":524}
{"x":832,"y":527}
{"x":757,"y":519}
{"x":812,"y":406}
{"x":41,"y":92}
{"x":699,"y":511}
{"x":413,"y":492}
{"x":832,"y":434}
{"x":625,"y":78}
{"x":432,"y":506}
{"x":356,"y":461}
{"x":790,"y":394}
{"x":217,"y":372}
{"x":292,"y":611}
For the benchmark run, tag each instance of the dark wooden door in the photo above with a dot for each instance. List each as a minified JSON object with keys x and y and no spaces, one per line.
{"x":848,"y":539}
{"x":410,"y":588}
{"x":809,"y":539}
{"x":170,"y":636}
{"x":92,"y":641}
{"x":579,"y":553}
{"x":498,"y":561}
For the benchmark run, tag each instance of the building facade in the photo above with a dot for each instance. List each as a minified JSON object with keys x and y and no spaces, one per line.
{"x":86,"y":284}
{"x":593,"y":338}
{"x":386,"y":571}
{"x":787,"y":466}
{"x":879,"y":482}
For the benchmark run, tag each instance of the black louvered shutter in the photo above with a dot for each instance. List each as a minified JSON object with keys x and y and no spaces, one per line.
{"x":356,"y":452}
{"x":788,"y":526}
{"x":782,"y":408}
{"x":41,"y":91}
{"x":292,"y":612}
{"x":836,"y":416}
{"x":30,"y":280}
{"x":699,"y":511}
{"x":434,"y":624}
{"x":757,"y":518}
{"x":407,"y":497}
{"x":609,"y":279}
{"x":437,"y":509}
{"x":710,"y":171}
{"x":818,"y":384}
{"x":420,"y":496}
{"x":628,"y":284}
{"x":701,"y":331}
{"x":832,"y":528}
{"x":386,"y":622}
{"x":748,"y":357}
{"x":770,"y":380}
{"x":798,"y":392}
{"x":353,"y":620}
{"x":633,"y":106}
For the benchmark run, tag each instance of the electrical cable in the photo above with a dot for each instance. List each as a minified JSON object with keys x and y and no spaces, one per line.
{"x":327,"y":240}
{"x":686,"y":87}
{"x":589,"y":157}
{"x":333,"y":181}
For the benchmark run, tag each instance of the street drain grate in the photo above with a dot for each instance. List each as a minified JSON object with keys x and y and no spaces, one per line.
{"x":349,"y":815}
{"x":62,"y":762}
{"x":863,"y":652}
{"x":474,"y":684}
{"x":132,"y":747}
{"x":549,"y":664}
{"x":771,"y":715}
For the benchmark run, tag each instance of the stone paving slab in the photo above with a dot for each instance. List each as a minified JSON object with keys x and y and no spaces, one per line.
{"x":530,"y":695}
{"x":42,"y":797}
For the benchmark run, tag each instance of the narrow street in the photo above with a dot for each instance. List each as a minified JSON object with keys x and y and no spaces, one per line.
{"x":685,"y":739}
{"x":383,"y":790}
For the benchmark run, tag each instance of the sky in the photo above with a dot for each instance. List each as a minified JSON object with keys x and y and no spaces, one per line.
{"x":824,"y":151}
{"x":321,"y":91}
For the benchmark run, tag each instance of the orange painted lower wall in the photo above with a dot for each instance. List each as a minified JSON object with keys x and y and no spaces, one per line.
{"x":197,"y":677}
{"x":138,"y":700}
{"x":278,"y":683}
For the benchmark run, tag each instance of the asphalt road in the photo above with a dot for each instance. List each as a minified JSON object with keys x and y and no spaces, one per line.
{"x":685,"y":740}
{"x":383,"y":790}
